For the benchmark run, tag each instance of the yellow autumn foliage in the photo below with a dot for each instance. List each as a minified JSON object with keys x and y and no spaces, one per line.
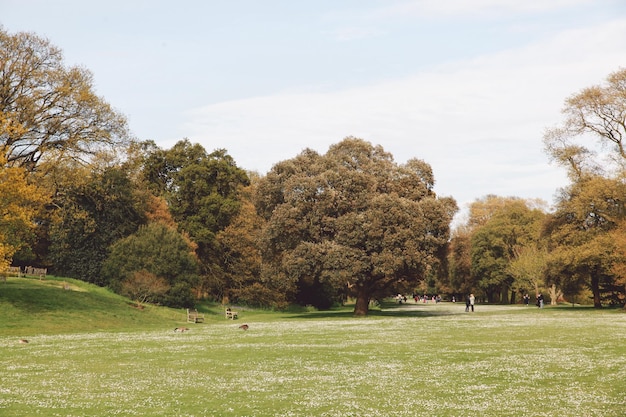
{"x":20,"y":203}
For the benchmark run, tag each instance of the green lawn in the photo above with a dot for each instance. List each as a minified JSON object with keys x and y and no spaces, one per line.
{"x":410,"y":360}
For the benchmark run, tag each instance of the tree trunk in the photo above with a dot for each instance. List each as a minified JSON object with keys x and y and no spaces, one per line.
{"x":362,"y":305}
{"x":555,"y":294}
{"x":504,"y":294}
{"x":595,"y":290}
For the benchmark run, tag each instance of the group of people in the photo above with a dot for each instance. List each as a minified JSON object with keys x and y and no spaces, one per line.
{"x":425,"y":298}
{"x":469,"y":300}
{"x":539,"y":302}
{"x":419,"y":299}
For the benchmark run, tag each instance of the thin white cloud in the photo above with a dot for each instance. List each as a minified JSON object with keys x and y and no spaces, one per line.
{"x":469,"y":8}
{"x":479,"y":123}
{"x":352,"y":33}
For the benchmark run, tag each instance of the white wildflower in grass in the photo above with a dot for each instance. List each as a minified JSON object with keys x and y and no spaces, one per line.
{"x":427,"y":360}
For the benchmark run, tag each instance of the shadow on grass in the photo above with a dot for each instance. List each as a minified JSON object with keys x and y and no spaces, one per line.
{"x":568,"y":307}
{"x":390,"y":309}
{"x":386,"y":310}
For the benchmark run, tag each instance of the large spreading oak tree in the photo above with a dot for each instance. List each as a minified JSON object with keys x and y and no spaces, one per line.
{"x":352,"y":218}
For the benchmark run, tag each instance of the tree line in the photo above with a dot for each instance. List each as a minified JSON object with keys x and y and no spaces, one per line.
{"x":577,"y":252}
{"x":82,"y":197}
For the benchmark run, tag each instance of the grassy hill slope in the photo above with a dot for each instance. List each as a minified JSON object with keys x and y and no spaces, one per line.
{"x":31,"y":306}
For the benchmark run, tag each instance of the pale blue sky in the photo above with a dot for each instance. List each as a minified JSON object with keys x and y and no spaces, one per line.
{"x":467,"y":85}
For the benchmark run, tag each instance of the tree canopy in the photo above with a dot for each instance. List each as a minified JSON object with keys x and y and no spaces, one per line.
{"x":580,"y":235}
{"x":352,"y":218}
{"x":76,"y":190}
{"x":507,"y":232}
{"x":595,"y":113}
{"x":91,"y":216}
{"x":202,"y":193}
{"x":155,"y":257}
{"x":591,"y":208}
{"x":20,"y":202}
{"x":48,"y":109}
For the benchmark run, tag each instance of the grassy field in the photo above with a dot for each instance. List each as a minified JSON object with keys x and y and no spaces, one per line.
{"x":91,"y":353}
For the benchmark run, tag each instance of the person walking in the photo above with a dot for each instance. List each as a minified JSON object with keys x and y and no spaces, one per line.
{"x":471,"y":301}
{"x":467,"y":304}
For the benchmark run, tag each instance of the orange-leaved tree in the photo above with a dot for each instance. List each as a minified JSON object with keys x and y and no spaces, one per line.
{"x":20,"y":203}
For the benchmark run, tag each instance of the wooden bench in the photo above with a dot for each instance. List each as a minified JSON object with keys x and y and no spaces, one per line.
{"x":232,"y":315}
{"x":194,"y":317}
{"x":15,"y":271}
{"x":11,"y":271}
{"x":38,"y":272}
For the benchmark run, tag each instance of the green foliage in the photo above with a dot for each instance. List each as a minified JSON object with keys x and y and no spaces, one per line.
{"x":461,"y":279}
{"x":202,"y":194}
{"x":92,"y":216}
{"x":160,"y":251}
{"x":181,"y":294}
{"x":497,"y":240}
{"x":529,"y":268}
{"x":351,"y":218}
{"x":258,"y":295}
{"x":241,"y":262}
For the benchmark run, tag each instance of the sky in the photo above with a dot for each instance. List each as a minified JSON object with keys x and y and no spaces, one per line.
{"x":469,"y":86}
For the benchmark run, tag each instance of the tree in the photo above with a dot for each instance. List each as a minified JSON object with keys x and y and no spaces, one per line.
{"x":241,"y":261}
{"x":352,"y":218}
{"x":144,"y":287}
{"x":48,"y":110}
{"x":92,"y":215}
{"x":528,"y":269}
{"x":510,"y":228}
{"x":617,"y":237}
{"x":595,"y":112}
{"x":592,"y":206}
{"x":163,"y":254}
{"x":460,"y":249}
{"x":202,"y":193}
{"x":461,"y":279}
{"x":579,"y":235}
{"x":20,"y":202}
